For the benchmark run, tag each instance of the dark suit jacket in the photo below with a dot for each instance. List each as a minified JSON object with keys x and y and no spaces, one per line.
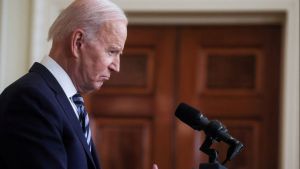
{"x":38,"y":126}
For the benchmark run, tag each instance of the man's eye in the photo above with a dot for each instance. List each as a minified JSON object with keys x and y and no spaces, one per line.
{"x":113,"y":52}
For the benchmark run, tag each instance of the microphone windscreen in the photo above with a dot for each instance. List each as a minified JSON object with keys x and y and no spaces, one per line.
{"x":191,"y":116}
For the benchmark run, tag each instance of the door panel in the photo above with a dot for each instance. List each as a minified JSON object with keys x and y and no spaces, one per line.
{"x":124,"y":140}
{"x":234,"y":78}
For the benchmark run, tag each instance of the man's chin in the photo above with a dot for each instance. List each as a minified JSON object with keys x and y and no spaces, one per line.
{"x":98,"y":85}
{"x":93,"y":88}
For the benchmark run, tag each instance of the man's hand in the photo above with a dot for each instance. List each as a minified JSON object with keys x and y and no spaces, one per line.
{"x":154,"y":166}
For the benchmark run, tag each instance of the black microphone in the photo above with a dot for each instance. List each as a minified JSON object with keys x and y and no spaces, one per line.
{"x":213,"y":128}
{"x":191,"y":117}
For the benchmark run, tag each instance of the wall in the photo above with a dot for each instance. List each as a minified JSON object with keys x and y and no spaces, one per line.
{"x":23,"y":41}
{"x":14,"y":40}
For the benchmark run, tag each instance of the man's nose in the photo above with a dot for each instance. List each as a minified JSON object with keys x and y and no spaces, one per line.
{"x":115,"y":65}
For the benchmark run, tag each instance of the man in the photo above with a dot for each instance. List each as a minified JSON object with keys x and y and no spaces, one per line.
{"x":43,"y":123}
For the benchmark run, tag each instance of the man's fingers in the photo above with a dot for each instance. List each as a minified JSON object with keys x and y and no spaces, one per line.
{"x":154,"y":166}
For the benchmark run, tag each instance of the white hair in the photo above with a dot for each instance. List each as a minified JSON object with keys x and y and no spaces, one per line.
{"x":87,"y":15}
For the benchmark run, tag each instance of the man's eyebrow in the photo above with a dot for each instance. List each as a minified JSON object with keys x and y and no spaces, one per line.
{"x":116,"y":46}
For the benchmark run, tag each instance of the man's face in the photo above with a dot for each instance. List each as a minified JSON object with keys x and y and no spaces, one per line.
{"x":101,"y":56}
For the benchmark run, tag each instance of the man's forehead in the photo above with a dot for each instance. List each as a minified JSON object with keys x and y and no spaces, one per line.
{"x":117,"y":28}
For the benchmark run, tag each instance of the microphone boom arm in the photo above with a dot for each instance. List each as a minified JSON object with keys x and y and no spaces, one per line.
{"x":212,"y":153}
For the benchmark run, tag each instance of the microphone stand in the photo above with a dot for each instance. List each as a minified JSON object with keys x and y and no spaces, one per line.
{"x":212,"y":154}
{"x":234,"y":145}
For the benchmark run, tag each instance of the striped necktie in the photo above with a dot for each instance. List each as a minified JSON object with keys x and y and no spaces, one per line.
{"x":83,"y":117}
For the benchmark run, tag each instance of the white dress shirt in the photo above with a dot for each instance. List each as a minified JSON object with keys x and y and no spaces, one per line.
{"x":63,"y":79}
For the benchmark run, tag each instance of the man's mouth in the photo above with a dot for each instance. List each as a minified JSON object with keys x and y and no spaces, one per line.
{"x":105,"y":78}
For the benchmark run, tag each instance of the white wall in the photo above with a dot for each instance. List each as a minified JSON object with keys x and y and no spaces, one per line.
{"x":23,"y":40}
{"x":14,"y":40}
{"x":44,"y":13}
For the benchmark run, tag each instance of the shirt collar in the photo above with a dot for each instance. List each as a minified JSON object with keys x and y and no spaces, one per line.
{"x":60,"y":75}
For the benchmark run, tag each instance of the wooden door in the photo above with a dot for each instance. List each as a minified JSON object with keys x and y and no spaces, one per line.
{"x":132,"y":113}
{"x":230,"y":73}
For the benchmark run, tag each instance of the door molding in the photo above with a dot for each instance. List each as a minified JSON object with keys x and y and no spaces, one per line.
{"x":205,"y":18}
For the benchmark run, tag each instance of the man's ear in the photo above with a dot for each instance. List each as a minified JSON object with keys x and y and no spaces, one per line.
{"x":77,"y":42}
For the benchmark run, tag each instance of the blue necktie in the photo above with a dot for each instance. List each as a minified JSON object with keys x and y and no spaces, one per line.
{"x":83,"y":117}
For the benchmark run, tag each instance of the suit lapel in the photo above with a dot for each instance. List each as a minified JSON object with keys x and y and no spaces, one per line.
{"x":75,"y":123}
{"x":65,"y":104}
{"x":94,"y":155}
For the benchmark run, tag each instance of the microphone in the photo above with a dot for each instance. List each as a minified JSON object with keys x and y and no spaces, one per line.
{"x":214,"y":128}
{"x":191,"y":117}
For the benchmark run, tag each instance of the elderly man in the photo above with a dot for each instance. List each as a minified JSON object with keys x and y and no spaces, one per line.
{"x":43,"y":122}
